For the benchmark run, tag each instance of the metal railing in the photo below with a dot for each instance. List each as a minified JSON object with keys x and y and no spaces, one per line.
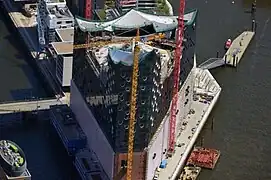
{"x":27,"y":100}
{"x":212,"y":63}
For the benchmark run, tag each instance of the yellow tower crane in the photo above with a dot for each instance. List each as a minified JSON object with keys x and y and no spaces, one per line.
{"x":101,"y":43}
{"x":132,"y":121}
{"x":133,"y":100}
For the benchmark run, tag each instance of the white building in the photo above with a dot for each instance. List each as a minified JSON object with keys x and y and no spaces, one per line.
{"x":55,"y":31}
{"x":61,"y":59}
{"x":52,"y":15}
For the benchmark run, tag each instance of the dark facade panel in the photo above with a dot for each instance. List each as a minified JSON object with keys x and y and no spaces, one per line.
{"x":153,"y":98}
{"x":77,"y":7}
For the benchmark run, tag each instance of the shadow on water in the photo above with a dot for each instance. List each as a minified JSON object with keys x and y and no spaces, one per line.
{"x":242,"y":115}
{"x":19,"y":76}
{"x":33,"y":33}
{"x":28,"y":93}
{"x":17,"y":42}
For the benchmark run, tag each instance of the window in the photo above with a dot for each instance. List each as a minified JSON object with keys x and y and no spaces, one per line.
{"x":127,"y":103}
{"x":123,"y":75}
{"x":119,"y":108}
{"x":121,"y":98}
{"x":154,"y":155}
{"x":123,"y":163}
{"x":128,"y":79}
{"x":120,"y":122}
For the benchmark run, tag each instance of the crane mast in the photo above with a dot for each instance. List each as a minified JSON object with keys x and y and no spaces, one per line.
{"x":133,"y":109}
{"x":176,"y":77}
{"x":88,"y":9}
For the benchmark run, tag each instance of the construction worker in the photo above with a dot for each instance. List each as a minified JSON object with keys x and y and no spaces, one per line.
{"x":228,"y":44}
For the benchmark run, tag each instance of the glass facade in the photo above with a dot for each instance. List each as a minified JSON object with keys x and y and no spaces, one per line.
{"x":106,"y":90}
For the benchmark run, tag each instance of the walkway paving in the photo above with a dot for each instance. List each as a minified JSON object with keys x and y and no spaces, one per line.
{"x":192,"y":124}
{"x":30,"y":105}
{"x":238,"y":48}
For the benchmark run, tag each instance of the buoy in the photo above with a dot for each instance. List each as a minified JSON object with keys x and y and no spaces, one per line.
{"x":228,"y":44}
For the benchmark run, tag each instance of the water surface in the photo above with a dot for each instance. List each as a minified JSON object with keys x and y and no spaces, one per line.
{"x":242,"y":115}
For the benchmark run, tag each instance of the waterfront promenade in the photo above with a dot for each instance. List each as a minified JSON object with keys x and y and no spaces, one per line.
{"x":193,"y":123}
{"x":31,"y":105}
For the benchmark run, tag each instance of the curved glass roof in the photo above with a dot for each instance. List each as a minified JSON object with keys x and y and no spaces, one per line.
{"x":125,"y":57}
{"x":135,"y":19}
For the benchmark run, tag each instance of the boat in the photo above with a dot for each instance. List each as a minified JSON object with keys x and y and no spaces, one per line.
{"x":12,"y":158}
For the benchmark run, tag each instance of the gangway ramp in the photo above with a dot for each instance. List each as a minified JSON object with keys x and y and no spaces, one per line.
{"x":212,"y":63}
{"x":32,"y":105}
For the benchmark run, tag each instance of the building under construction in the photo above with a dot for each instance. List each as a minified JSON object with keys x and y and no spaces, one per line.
{"x":101,"y":86}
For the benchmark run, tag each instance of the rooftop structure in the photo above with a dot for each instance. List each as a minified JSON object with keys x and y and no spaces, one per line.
{"x":25,"y":176}
{"x":55,"y":31}
{"x":125,"y":5}
{"x":88,"y":165}
{"x":100,"y":90}
{"x":63,"y":48}
{"x":68,"y":129}
{"x":52,"y":15}
{"x":12,"y":161}
{"x":140,"y":20}
{"x":65,"y":35}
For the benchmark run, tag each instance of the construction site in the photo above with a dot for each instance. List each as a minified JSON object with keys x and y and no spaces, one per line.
{"x":135,"y":92}
{"x":124,"y":109}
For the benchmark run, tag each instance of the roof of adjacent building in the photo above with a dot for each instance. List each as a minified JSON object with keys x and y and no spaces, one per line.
{"x":135,"y":19}
{"x":65,"y":34}
{"x":63,"y":48}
